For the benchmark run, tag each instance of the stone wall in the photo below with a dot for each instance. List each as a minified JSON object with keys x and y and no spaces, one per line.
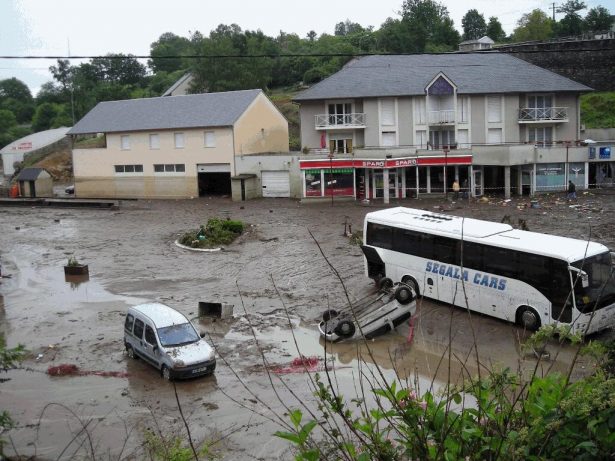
{"x":591,"y":62}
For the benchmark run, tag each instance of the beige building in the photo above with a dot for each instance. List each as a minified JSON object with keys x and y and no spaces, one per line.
{"x":175,"y":146}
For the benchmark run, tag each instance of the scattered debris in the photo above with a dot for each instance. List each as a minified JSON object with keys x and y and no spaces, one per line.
{"x":67,"y":369}
{"x":302,"y":364}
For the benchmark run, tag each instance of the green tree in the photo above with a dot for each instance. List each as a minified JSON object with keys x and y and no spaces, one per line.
{"x":347,"y":28}
{"x":426,"y":22}
{"x":119,"y":68}
{"x":7,"y":120}
{"x":474,"y":25}
{"x":598,"y":19}
{"x":533,"y":26}
{"x":169,"y":44}
{"x":15,"y":96}
{"x":495,"y":31}
{"x":49,"y":115}
{"x":572,"y":23}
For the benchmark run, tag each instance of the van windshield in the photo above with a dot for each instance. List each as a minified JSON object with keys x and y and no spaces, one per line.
{"x":177,"y":335}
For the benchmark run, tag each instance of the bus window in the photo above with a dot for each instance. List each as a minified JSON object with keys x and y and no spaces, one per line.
{"x":501,"y":261}
{"x":561,"y":298}
{"x":446,"y":250}
{"x":472,"y":255}
{"x":379,"y":236}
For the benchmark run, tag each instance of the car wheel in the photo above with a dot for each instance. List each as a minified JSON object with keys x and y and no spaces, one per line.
{"x":403,"y":294}
{"x":329,"y":314}
{"x":166,"y":373}
{"x":528,"y":318}
{"x":385,"y":283}
{"x":131,"y":352}
{"x":345,"y":329}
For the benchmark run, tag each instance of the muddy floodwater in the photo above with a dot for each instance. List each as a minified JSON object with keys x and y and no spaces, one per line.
{"x":279,"y":284}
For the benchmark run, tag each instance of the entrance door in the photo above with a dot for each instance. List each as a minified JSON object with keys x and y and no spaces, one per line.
{"x":477,"y":180}
{"x":214,"y":179}
{"x":526,"y":182}
{"x":379,"y":184}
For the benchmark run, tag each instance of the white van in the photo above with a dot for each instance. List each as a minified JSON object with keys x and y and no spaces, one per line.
{"x":167,"y":339}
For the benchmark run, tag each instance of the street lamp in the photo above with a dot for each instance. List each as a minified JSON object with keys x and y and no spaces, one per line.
{"x":566,"y":167}
{"x":445,"y":176}
{"x":331,"y":176}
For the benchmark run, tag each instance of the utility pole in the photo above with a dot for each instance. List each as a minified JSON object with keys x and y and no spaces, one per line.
{"x":553,"y":7}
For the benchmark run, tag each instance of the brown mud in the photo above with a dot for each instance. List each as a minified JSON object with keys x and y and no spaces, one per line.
{"x":275,"y":277}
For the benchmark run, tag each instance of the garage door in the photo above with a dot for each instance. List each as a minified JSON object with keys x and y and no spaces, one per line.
{"x":275,"y":183}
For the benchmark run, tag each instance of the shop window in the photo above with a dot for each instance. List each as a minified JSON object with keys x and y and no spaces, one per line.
{"x":339,"y":181}
{"x":313,"y":183}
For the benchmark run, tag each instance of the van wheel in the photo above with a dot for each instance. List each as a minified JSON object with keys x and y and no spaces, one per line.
{"x":329,"y":314}
{"x":166,"y":373}
{"x":131,"y":352}
{"x":528,"y":318}
{"x":412,"y":284}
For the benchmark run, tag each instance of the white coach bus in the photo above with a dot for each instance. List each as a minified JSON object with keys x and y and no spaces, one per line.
{"x":524,"y":277}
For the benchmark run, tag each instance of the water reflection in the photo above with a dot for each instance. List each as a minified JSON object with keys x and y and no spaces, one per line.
{"x":76,"y":280}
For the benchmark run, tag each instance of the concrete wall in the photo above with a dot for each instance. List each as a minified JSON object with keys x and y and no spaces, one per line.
{"x":404,"y":121}
{"x":310,"y":138}
{"x":591,"y":62}
{"x":477,"y":117}
{"x":256,"y":164}
{"x":261,"y":128}
{"x":599,"y":134}
{"x":372,"y":120}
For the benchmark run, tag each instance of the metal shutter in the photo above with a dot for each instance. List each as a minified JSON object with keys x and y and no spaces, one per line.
{"x":275,"y":183}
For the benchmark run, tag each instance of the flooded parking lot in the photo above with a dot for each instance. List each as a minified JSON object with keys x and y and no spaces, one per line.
{"x":279,"y":284}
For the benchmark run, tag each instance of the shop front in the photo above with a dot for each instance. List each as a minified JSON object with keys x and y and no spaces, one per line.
{"x":405,"y":177}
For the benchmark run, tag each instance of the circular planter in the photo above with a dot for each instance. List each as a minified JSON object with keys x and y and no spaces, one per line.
{"x":203,"y":250}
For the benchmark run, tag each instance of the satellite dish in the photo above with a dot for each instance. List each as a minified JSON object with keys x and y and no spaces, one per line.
{"x":589,"y":141}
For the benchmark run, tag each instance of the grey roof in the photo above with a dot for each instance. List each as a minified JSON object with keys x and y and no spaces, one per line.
{"x":169,"y":112}
{"x":30,"y":174}
{"x":408,"y":75}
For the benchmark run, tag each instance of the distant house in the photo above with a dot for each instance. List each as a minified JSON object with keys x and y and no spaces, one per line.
{"x":15,"y":151}
{"x":483,"y":43}
{"x":180,"y":87}
{"x":174,"y":146}
{"x":35,"y":182}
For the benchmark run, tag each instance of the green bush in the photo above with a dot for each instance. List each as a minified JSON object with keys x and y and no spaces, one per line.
{"x":213,"y":234}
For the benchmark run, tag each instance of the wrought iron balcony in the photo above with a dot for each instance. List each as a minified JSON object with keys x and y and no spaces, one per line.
{"x":340,"y":121}
{"x":441,"y":117}
{"x":543,"y":114}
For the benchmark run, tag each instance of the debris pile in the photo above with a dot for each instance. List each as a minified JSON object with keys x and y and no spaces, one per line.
{"x":302,"y":364}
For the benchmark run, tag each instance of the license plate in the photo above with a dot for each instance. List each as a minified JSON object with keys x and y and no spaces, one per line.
{"x":199,"y":370}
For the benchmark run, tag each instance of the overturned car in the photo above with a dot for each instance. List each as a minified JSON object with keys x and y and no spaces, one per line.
{"x":371,"y":316}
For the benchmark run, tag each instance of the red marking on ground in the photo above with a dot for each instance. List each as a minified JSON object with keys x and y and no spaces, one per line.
{"x":67,"y":369}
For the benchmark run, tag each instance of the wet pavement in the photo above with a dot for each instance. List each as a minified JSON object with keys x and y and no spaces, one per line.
{"x":279,"y":283}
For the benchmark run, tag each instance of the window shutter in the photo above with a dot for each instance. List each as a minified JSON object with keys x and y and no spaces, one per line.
{"x":494,"y":109}
{"x":387,"y":112}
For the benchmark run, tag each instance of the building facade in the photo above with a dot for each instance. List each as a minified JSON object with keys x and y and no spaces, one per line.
{"x":399,"y":126}
{"x":174,"y":146}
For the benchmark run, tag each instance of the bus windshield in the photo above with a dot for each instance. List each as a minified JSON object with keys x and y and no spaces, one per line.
{"x":600,"y":291}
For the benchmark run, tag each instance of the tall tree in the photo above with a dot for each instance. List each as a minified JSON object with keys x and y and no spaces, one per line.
{"x":427,"y":23}
{"x":119,"y":68}
{"x":598,"y":19}
{"x":347,"y":28}
{"x":572,"y":23}
{"x":167,"y":45}
{"x":474,"y":25}
{"x":533,"y":26}
{"x":15,"y":96}
{"x":495,"y":31}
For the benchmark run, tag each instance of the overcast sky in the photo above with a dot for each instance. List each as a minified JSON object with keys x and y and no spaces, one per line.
{"x":90,"y":27}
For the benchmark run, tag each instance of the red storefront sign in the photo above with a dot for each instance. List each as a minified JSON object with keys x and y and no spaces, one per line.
{"x":451,"y":160}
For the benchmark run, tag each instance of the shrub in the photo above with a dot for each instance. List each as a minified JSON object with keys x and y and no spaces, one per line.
{"x":215,"y":233}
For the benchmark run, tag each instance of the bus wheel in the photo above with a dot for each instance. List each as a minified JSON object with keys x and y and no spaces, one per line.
{"x":403,"y":294}
{"x":385,"y":283}
{"x":412,"y":284}
{"x":528,"y":318}
{"x":345,"y":329}
{"x":329,"y":314}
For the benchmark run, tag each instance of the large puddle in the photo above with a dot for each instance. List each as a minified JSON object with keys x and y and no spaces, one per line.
{"x":279,"y":284}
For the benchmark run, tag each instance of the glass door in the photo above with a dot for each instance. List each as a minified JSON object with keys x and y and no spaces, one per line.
{"x":477,"y":181}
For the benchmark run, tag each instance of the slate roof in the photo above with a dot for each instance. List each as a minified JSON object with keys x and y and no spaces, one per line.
{"x":169,"y":112}
{"x":408,"y":75}
{"x":29,"y":174}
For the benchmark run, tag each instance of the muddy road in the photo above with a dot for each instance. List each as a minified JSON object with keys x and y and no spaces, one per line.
{"x":279,"y":283}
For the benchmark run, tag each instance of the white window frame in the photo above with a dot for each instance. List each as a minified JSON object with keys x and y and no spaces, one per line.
{"x":177,"y":137}
{"x":154,"y":141}
{"x":421,"y":139}
{"x":463,"y":109}
{"x":125,"y":142}
{"x":420,"y":110}
{"x":128,"y":173}
{"x":209,"y":139}
{"x":170,"y":169}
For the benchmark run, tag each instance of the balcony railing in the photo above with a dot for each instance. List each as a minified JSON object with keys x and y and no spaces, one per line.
{"x":441,"y":117}
{"x":333,"y":121}
{"x":543,"y":114}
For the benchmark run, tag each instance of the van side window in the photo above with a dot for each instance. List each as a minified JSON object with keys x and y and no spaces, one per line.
{"x":150,"y":336}
{"x":138,"y":331}
{"x":130,"y":320}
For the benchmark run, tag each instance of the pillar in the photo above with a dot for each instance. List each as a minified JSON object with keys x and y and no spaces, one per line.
{"x":507,"y":181}
{"x":385,"y":185}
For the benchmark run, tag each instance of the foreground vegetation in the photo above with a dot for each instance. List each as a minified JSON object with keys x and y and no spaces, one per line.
{"x":499,"y":416}
{"x":597,"y":110}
